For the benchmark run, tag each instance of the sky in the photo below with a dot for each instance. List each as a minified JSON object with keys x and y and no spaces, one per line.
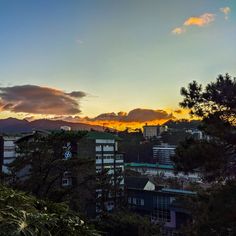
{"x":110,"y":60}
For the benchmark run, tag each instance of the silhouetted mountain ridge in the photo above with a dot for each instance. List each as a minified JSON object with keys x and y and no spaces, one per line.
{"x":13,"y":125}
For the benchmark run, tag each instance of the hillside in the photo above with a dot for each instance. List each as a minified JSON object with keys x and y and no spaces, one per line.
{"x":12,"y":125}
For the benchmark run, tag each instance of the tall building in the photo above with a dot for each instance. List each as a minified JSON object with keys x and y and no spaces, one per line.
{"x":162,"y":153}
{"x":105,"y":162}
{"x":104,"y":148}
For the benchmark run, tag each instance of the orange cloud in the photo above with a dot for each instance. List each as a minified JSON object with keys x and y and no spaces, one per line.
{"x":202,"y":20}
{"x":199,"y":21}
{"x":178,"y":30}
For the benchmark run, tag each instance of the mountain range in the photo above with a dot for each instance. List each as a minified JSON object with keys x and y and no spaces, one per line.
{"x":13,"y":125}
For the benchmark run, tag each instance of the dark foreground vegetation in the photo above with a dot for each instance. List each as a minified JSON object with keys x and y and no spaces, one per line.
{"x":214,"y":211}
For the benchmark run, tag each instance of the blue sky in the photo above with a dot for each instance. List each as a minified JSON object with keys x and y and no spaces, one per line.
{"x":121,"y":53}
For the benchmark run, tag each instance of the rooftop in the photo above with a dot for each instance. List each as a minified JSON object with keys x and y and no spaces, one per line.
{"x":136,"y":182}
{"x":102,"y":135}
{"x":178,"y":191}
{"x":149,"y":165}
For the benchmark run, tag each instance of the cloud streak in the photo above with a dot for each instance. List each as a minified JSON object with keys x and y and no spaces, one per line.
{"x":34,"y":99}
{"x":202,"y":20}
{"x":199,"y":21}
{"x":178,"y":30}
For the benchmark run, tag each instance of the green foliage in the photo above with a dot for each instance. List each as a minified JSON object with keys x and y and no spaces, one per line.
{"x":209,"y":158}
{"x":40,"y":166}
{"x":124,"y":223}
{"x":24,"y":215}
{"x":182,"y":124}
{"x":109,"y":188}
{"x":216,"y":105}
{"x":134,"y":147}
{"x":174,"y":137}
{"x":214,"y":212}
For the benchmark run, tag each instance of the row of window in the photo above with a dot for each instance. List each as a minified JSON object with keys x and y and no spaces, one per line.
{"x":136,"y":201}
{"x":106,"y":148}
{"x":162,"y":215}
{"x":98,"y":157}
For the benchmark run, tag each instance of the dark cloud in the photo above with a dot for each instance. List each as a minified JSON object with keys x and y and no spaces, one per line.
{"x":108,"y":116}
{"x":178,"y":111}
{"x":136,"y":115}
{"x":77,"y":94}
{"x":39,"y":100}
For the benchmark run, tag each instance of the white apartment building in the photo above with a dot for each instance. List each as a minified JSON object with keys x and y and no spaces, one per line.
{"x":153,"y":131}
{"x":162,"y":153}
{"x":104,"y":147}
{"x":7,"y":151}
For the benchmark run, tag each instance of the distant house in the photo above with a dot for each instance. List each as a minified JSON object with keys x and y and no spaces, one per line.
{"x":139,"y":183}
{"x":153,"y":131}
{"x":161,"y":205}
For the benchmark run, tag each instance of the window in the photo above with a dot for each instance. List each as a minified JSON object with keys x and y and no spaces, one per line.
{"x":129,"y":200}
{"x":66,"y":179}
{"x":98,"y":148}
{"x":110,"y":203}
{"x":163,"y":215}
{"x":67,"y":174}
{"x":142,"y":202}
{"x":134,"y":201}
{"x":66,"y":182}
{"x":108,"y":148}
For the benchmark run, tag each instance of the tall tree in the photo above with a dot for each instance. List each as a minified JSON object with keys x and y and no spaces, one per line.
{"x":41,"y":167}
{"x":215,"y":157}
{"x":216,"y":106}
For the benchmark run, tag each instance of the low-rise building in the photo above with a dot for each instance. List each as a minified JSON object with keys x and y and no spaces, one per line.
{"x":163,"y":153}
{"x":162,"y":205}
{"x":165,"y":171}
{"x":7,"y":151}
{"x":153,"y":131}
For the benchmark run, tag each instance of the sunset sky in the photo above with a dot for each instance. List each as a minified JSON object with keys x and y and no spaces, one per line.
{"x":80,"y":60}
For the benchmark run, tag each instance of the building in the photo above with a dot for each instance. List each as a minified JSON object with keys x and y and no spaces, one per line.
{"x":103,"y":147}
{"x":162,"y":205}
{"x":101,"y":150}
{"x":153,"y":131}
{"x":165,"y":171}
{"x":7,"y":151}
{"x":163,"y":153}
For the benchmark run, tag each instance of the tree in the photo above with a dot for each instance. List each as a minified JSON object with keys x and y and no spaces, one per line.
{"x":124,"y":223}
{"x":214,"y":212}
{"x":40,"y":168}
{"x":215,"y":157}
{"x":25,"y":215}
{"x":216,"y":106}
